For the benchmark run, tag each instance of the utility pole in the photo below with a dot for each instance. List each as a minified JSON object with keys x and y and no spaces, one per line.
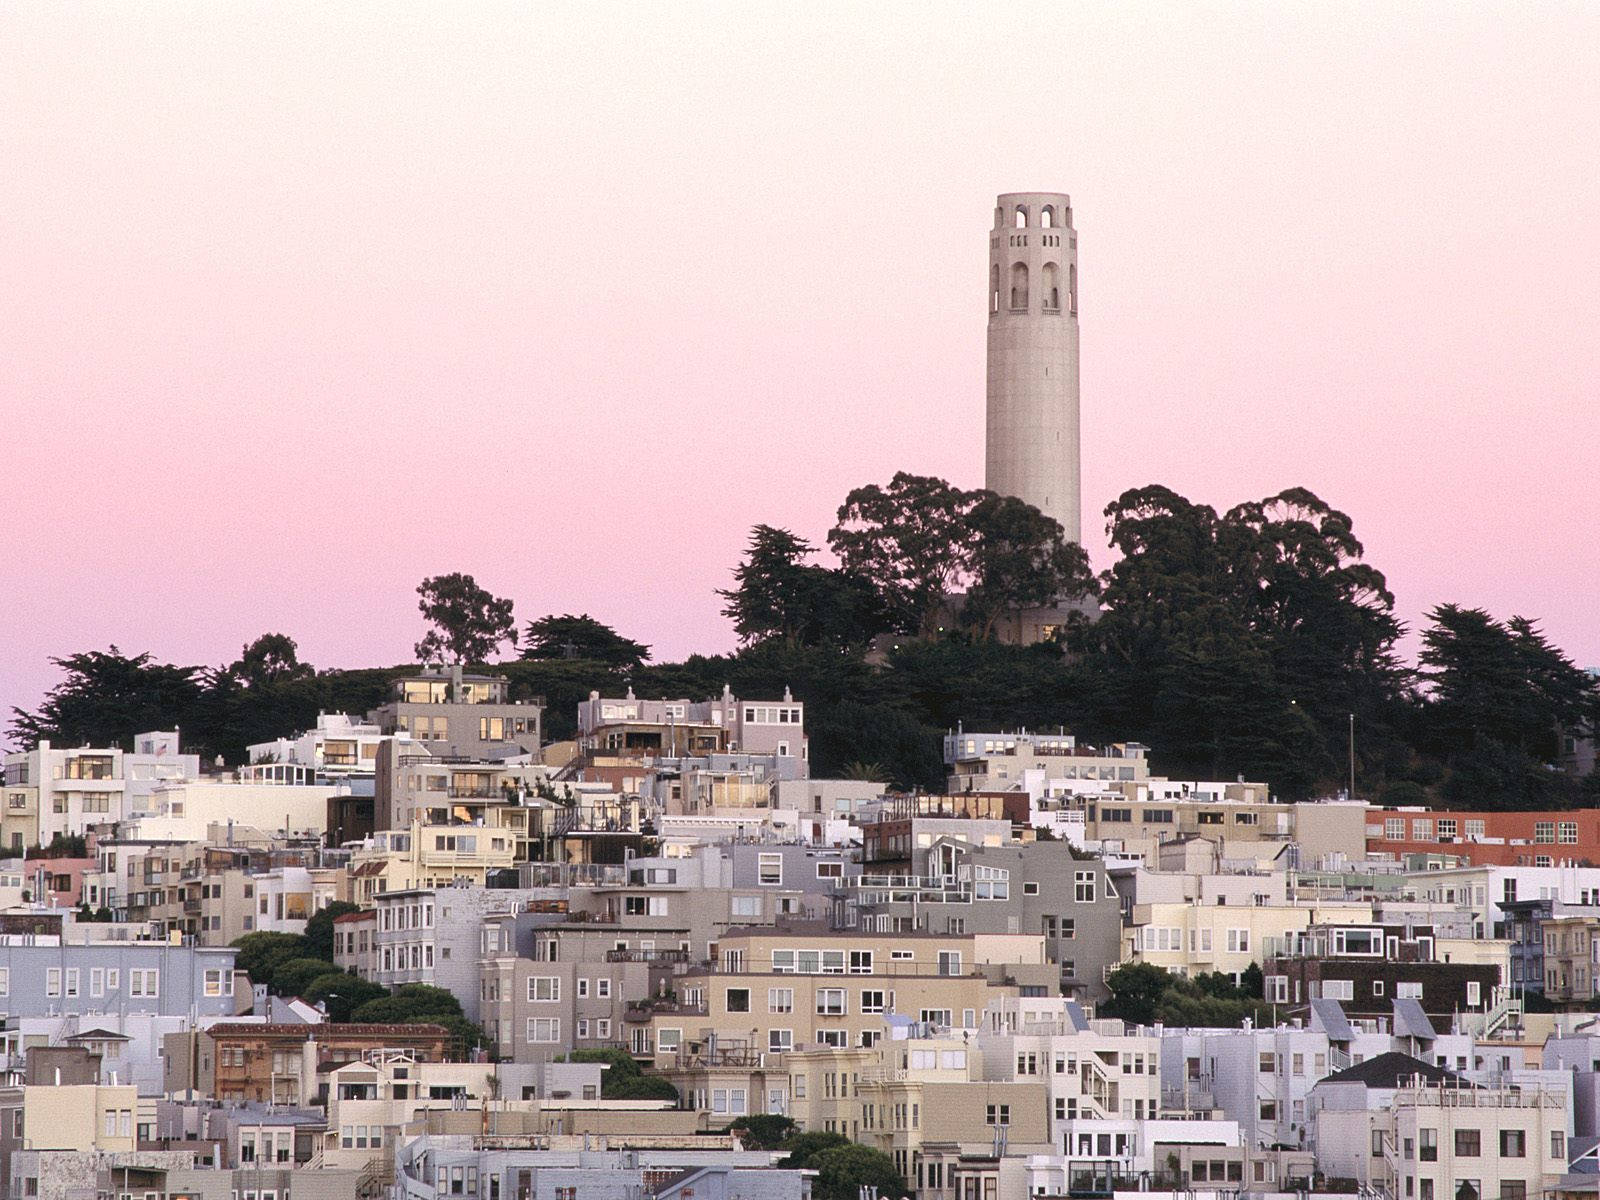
{"x":1352,"y":756}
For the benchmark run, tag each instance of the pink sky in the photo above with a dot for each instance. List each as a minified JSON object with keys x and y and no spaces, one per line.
{"x":304,"y":302}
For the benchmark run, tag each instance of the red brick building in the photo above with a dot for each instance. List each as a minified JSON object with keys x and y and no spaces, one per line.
{"x":1502,"y":839}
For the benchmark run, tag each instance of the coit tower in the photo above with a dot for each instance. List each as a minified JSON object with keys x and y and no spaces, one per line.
{"x":1031,"y":449}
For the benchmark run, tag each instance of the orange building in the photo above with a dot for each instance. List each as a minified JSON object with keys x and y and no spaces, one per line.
{"x":1501,"y":839}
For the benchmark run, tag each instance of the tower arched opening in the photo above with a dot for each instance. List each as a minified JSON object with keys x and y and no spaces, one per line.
{"x":1019,"y":287}
{"x":1050,"y":287}
{"x":1047,"y":217}
{"x":1022,"y":217}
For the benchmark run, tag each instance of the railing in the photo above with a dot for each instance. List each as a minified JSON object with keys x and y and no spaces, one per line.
{"x":648,"y":956}
{"x":1474,"y":1097}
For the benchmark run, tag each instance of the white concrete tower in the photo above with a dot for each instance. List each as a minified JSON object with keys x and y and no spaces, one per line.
{"x":1031,"y":448}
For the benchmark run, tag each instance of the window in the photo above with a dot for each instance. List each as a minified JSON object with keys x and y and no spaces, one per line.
{"x":780,"y":1040}
{"x":52,"y":981}
{"x":1544,"y":832}
{"x":747,"y":906}
{"x":830,"y":1002}
{"x":738,"y":1000}
{"x":872,"y":1001}
{"x":780,"y":1000}
{"x":1404,"y":990}
{"x":1268,"y":1064}
{"x":836,"y":1039}
{"x":543,"y":989}
{"x":1338,"y":989}
{"x":1513,"y":1143}
{"x":830,"y":870}
{"x":1083,"y":889}
{"x":1394,"y":829}
{"x":949,"y":962}
{"x":1475,"y":829}
{"x":1422,"y":829}
{"x":1568,"y":835}
{"x":1238,"y":941}
{"x":1558,"y":1145}
{"x":144,"y":983}
{"x":544,"y":1029}
{"x":861,"y":962}
{"x":602,"y":988}
{"x":1469,"y":1143}
{"x":997,"y":1114}
{"x":769,"y":871}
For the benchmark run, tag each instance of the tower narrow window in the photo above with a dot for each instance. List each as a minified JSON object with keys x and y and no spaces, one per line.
{"x":1022,"y":217}
{"x":1072,"y":288}
{"x":999,"y":216}
{"x":994,"y":288}
{"x":1050,"y":288}
{"x":1019,"y":287}
{"x":1047,"y":217}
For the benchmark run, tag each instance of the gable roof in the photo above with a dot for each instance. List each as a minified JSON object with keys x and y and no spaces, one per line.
{"x":1394,"y":1070}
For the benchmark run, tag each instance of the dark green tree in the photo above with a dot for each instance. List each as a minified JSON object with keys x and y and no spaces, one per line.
{"x":319,"y":929}
{"x":844,"y":1170}
{"x":765,"y":1131}
{"x":271,"y":658}
{"x":1136,"y":989}
{"x":1019,"y":559}
{"x":341,"y":993}
{"x":780,"y":596}
{"x":259,"y":955}
{"x":804,"y":1147}
{"x":582,"y":637}
{"x":292,"y":976}
{"x":106,"y":698}
{"x":912,"y":540}
{"x":469,"y":624}
{"x":411,"y":1002}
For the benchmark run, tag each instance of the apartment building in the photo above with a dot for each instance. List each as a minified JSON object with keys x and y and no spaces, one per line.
{"x":1571,"y":958}
{"x":932,"y":1106}
{"x":1505,"y":839}
{"x":337,"y":747}
{"x":415,"y":784}
{"x":1190,"y":938}
{"x":460,"y":714}
{"x":51,"y":792}
{"x":574,"y":990}
{"x":1367,"y":967}
{"x":1244,"y":822}
{"x":429,"y":856}
{"x":630,"y":728}
{"x":998,"y":762}
{"x":42,"y":976}
{"x":960,"y":885}
{"x":285,"y":1064}
{"x":774,"y":990}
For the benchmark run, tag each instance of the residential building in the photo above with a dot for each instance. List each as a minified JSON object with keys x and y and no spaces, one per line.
{"x":42,"y":976}
{"x":457,"y":713}
{"x":52,"y":792}
{"x":1506,"y":839}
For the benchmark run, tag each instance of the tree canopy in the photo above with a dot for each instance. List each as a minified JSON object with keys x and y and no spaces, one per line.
{"x":469,"y":624}
{"x":582,"y":637}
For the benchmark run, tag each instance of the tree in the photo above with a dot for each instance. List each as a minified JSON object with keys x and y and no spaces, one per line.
{"x":843,"y":1171}
{"x":271,"y":658}
{"x":912,"y":540}
{"x":106,"y":698}
{"x":1019,"y":560}
{"x":291,"y":976}
{"x":1498,"y":694}
{"x":469,"y":623}
{"x":780,"y":596}
{"x":766,"y":1131}
{"x":409,"y":1003}
{"x":1135,"y":990}
{"x":804,"y":1147}
{"x":623,"y":1078}
{"x":319,"y":929}
{"x":341,"y":993}
{"x":582,"y":637}
{"x":259,"y":955}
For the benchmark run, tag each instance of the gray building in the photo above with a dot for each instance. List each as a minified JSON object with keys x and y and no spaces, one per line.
{"x":960,"y":887}
{"x":460,"y":714}
{"x":115,"y":977}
